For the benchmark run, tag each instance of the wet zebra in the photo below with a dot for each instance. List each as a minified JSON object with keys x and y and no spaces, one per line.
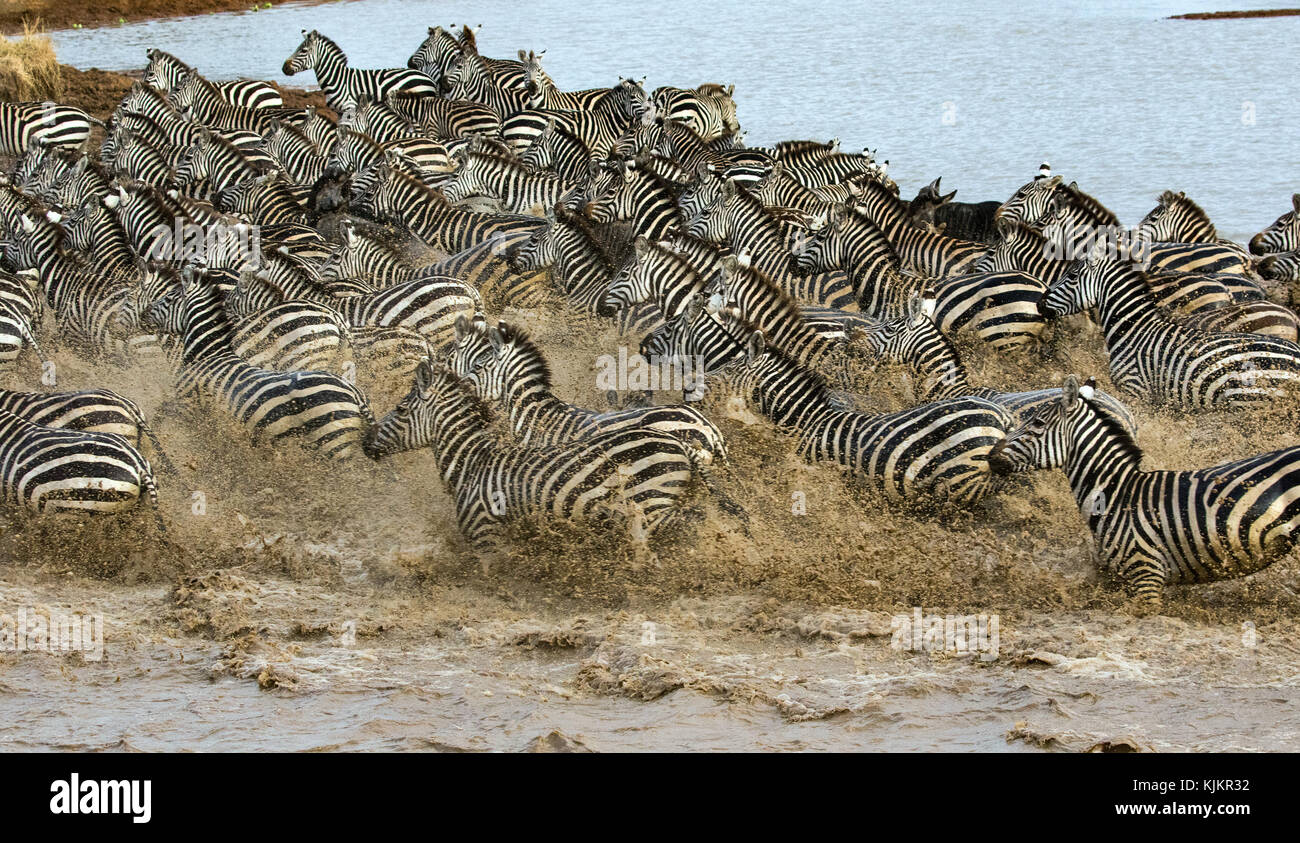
{"x":87,"y":410}
{"x":506,"y":180}
{"x":324,"y":411}
{"x":1283,"y":235}
{"x":1157,"y":358}
{"x":47,"y":470}
{"x":23,"y":124}
{"x":708,"y":110}
{"x":738,"y":220}
{"x":924,"y":252}
{"x":633,"y":476}
{"x":165,"y":72}
{"x":1156,"y":528}
{"x":346,"y":86}
{"x":936,"y":451}
{"x":915,"y":341}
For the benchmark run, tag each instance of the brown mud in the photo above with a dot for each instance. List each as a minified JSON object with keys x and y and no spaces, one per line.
{"x":68,"y":14}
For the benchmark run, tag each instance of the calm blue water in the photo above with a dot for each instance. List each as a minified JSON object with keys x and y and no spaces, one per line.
{"x":978,"y":92}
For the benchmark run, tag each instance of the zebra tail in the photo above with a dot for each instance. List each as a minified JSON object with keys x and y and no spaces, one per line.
{"x":726,"y":503}
{"x":167,"y":465}
{"x":151,"y":488}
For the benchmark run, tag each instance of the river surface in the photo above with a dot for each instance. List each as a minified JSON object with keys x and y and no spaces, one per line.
{"x":1110,"y":93}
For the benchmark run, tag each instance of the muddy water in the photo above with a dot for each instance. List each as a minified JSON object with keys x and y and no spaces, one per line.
{"x":312,"y":606}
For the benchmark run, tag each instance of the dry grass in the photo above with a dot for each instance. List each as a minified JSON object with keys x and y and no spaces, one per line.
{"x":28,"y":67}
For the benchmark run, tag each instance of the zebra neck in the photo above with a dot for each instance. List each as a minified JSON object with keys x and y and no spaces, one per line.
{"x":1099,"y":463}
{"x":530,"y":403}
{"x":207,"y":332}
{"x":1125,"y":303}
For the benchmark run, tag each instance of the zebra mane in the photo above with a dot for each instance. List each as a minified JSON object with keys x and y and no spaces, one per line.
{"x":1099,"y":212}
{"x":1115,"y":429}
{"x":1180,"y":199}
{"x":798,"y":375}
{"x":477,"y":150}
{"x":536,"y":360}
{"x":482,"y":411}
{"x":786,"y":310}
{"x":588,"y":233}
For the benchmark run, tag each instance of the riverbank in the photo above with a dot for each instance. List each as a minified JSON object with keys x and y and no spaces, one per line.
{"x":78,"y":14}
{"x":1246,"y":13}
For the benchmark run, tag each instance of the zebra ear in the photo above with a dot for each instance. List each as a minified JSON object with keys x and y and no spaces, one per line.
{"x":754,"y":346}
{"x":424,"y":375}
{"x":1088,"y":389}
{"x":728,"y":189}
{"x":1070,"y":392}
{"x":462,"y":327}
{"x":730,"y":264}
{"x":29,"y":225}
{"x":496,"y":338}
{"x":1295,"y":202}
{"x":640,"y":246}
{"x":915,"y":310}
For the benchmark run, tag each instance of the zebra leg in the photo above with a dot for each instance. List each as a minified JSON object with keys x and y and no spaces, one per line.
{"x":167,"y":465}
{"x":1144,"y":579}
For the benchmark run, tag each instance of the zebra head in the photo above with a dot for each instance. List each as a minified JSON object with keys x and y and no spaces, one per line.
{"x":819,"y":246}
{"x":440,"y":411}
{"x":307,"y":54}
{"x":435,"y":55}
{"x":706,"y":330}
{"x":1282,"y":266}
{"x":916,"y":342}
{"x":713,"y":221}
{"x":1080,"y":287}
{"x":1046,"y":439}
{"x":540,"y":249}
{"x":634,"y":283}
{"x":1283,"y":235}
{"x":193,"y":166}
{"x":1030,"y":203}
{"x":33,"y":241}
{"x":470,"y":350}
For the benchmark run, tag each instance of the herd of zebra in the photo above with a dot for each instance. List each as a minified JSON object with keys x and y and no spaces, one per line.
{"x":263,"y":250}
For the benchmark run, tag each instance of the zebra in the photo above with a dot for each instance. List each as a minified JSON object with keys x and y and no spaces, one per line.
{"x":470,"y":79}
{"x":850,"y":242}
{"x":936,"y":452}
{"x":580,"y":266}
{"x":23,"y":124}
{"x":217,"y":162}
{"x":267,"y":201}
{"x":87,"y":306}
{"x":92,"y":229}
{"x":1196,"y":292}
{"x":294,"y":153}
{"x":402,"y":199}
{"x":323,"y":410}
{"x":199,"y":100}
{"x":1281,"y":266}
{"x":1155,"y":528}
{"x":558,"y":150}
{"x":638,"y":194}
{"x":926,"y":253}
{"x":506,"y":180}
{"x":486,"y":267}
{"x":87,"y":410}
{"x":437,"y":55}
{"x":543,"y":94}
{"x":21,"y":303}
{"x":998,"y":308}
{"x":445,"y":119}
{"x":345,"y":86}
{"x":739,"y":220}
{"x":1157,"y":358}
{"x":138,"y":160}
{"x":165,"y":72}
{"x":599,"y":127}
{"x":708,"y":110}
{"x":48,"y":470}
{"x":505,"y":366}
{"x":1283,"y":235}
{"x":930,"y":358}
{"x":639,"y":475}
